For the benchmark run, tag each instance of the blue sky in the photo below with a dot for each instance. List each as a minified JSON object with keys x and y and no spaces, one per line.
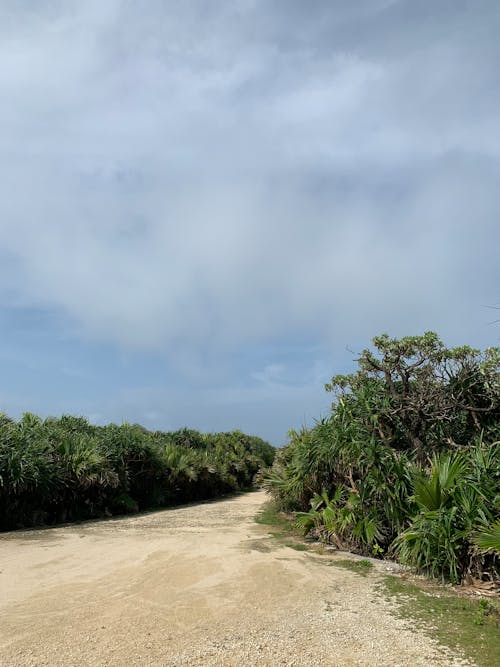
{"x":207,"y":208}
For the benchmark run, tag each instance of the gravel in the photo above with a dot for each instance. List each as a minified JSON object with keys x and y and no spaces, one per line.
{"x":198,"y":585}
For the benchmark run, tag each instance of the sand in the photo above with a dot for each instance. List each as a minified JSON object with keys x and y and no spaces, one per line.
{"x":197,"y":585}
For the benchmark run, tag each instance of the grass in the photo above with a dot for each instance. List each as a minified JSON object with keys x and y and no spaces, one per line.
{"x":281,"y":527}
{"x":361,"y":567}
{"x":298,"y":546}
{"x":468,"y":625}
{"x":270,"y":516}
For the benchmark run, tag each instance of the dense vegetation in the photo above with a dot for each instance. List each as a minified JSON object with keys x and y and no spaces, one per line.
{"x":408,"y":462}
{"x":64,"y":469}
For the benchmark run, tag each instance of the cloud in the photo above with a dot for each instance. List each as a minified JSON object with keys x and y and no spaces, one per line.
{"x":193,"y":179}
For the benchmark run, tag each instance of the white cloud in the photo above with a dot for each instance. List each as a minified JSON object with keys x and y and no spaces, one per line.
{"x":173,"y":180}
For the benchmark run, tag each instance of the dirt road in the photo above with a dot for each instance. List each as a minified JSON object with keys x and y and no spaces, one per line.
{"x":200,"y":585}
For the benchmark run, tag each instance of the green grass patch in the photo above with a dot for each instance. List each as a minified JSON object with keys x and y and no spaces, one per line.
{"x":468,"y":625}
{"x":281,"y":526}
{"x":298,"y":546}
{"x":362,"y":567}
{"x":271,"y":516}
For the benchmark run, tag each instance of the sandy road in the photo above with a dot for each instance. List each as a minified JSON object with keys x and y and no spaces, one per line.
{"x":200,"y":585}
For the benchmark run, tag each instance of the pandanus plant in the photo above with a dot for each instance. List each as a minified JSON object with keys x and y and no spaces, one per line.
{"x":488,"y":539}
{"x":451,"y":506}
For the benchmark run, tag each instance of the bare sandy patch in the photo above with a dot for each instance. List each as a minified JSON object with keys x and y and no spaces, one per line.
{"x":198,"y":585}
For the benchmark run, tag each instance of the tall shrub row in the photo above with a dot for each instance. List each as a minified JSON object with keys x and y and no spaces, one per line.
{"x":56,"y":470}
{"x":408,"y":462}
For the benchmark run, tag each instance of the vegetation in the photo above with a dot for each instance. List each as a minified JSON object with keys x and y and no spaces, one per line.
{"x":469,"y":625}
{"x":460,"y":622}
{"x":361,"y":567}
{"x":281,"y":527}
{"x":408,"y":463}
{"x":66,"y":469}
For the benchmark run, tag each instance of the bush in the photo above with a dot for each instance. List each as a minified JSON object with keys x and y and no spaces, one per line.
{"x":408,"y":462}
{"x":67,"y":469}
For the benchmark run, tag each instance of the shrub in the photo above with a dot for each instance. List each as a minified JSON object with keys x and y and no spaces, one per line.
{"x":67,"y":469}
{"x":408,"y":462}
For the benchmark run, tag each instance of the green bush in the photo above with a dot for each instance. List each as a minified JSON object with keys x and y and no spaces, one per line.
{"x":67,"y":469}
{"x":455,"y":498}
{"x":408,"y":462}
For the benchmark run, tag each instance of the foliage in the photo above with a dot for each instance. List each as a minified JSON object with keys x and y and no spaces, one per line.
{"x":488,"y":539}
{"x":416,"y":395}
{"x":454,"y":499}
{"x":408,"y":462}
{"x":65,"y":469}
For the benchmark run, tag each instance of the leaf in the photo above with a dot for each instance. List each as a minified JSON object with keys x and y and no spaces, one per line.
{"x":488,"y":540}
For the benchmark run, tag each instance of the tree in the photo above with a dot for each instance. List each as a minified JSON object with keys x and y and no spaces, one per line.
{"x":415,"y":394}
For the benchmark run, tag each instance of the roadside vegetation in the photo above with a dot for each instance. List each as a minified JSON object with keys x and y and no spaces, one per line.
{"x":407,"y":465}
{"x":460,"y":622}
{"x":453,"y":615}
{"x":66,"y":469}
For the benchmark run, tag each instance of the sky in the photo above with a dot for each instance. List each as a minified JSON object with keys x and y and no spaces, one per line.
{"x":208,"y":208}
